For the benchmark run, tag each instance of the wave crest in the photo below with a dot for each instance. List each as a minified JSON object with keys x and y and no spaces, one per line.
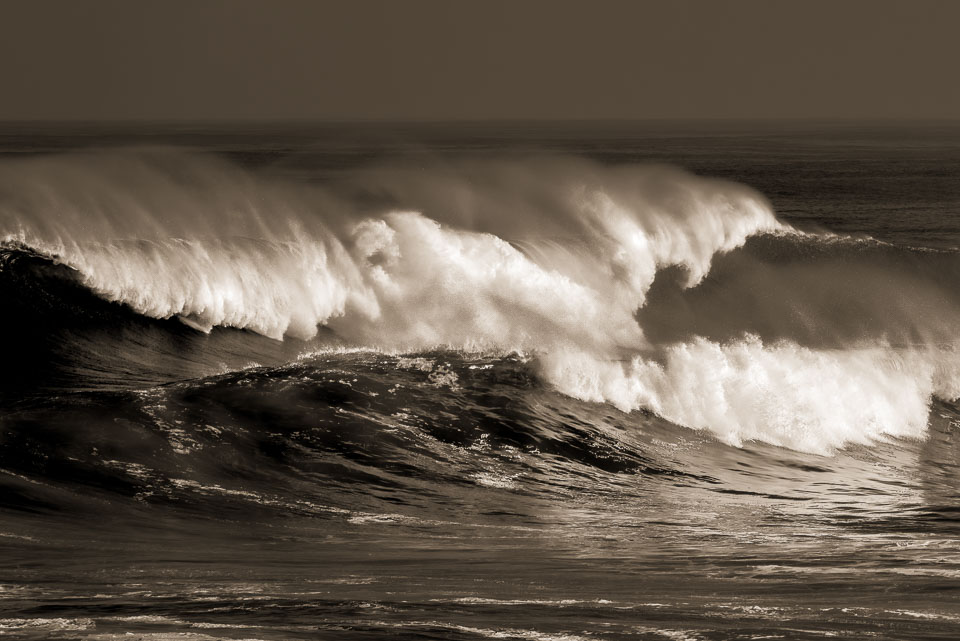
{"x":187,"y":236}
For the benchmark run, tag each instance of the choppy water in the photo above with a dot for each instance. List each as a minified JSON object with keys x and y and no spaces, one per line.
{"x":530,"y":385}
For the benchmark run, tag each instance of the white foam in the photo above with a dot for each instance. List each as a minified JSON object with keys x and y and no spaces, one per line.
{"x":782,"y":394}
{"x":38,"y":624}
{"x":184,"y":236}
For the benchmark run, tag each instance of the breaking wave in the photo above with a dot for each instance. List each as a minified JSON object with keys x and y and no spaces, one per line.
{"x":648,"y":288}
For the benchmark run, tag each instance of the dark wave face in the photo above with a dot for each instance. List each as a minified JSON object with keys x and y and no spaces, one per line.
{"x":479,"y":396}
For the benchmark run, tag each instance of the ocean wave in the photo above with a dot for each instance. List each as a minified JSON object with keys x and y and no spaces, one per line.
{"x":645,"y":287}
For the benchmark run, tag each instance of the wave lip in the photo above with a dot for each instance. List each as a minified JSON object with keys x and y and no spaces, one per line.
{"x":179,"y":235}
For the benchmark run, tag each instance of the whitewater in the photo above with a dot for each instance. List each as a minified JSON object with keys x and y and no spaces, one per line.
{"x":551,"y":257}
{"x":434,"y":354}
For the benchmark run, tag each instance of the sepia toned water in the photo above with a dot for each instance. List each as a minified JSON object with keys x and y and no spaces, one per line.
{"x":536,"y":381}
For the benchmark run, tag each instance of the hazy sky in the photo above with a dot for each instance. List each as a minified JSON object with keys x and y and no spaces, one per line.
{"x":478,"y":59}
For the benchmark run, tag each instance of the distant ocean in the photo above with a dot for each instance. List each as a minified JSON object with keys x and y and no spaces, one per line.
{"x":535,"y":381}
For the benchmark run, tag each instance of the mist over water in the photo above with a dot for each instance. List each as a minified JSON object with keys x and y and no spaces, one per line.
{"x":392,"y":350}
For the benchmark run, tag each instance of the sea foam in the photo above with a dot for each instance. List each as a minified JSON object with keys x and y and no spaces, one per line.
{"x":549,"y":256}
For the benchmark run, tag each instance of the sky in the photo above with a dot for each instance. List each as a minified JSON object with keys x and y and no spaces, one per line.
{"x":213,"y":60}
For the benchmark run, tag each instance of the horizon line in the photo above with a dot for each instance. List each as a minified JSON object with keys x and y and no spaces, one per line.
{"x":496,"y":120}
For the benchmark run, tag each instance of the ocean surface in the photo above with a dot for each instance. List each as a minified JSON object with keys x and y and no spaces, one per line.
{"x":546,"y":382}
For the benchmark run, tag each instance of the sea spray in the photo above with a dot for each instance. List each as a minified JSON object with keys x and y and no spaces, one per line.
{"x":564,"y":259}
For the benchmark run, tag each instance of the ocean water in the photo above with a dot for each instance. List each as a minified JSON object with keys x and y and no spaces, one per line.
{"x":552,"y":382}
